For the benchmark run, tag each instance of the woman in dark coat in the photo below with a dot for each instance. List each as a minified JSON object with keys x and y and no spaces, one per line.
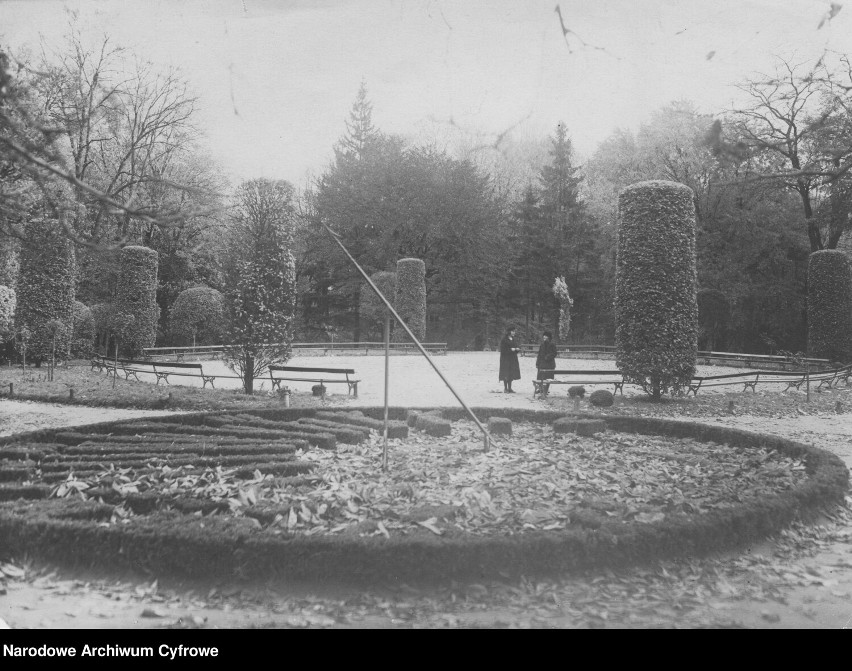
{"x":546,"y":360}
{"x":509,"y":367}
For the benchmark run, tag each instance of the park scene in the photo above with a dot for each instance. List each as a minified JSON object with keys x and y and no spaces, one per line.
{"x":537,"y":374}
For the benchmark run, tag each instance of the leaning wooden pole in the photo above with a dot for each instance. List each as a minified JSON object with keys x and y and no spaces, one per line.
{"x":486,"y":437}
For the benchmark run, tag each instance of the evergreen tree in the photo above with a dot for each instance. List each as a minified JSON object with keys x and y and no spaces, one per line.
{"x":261,"y":279}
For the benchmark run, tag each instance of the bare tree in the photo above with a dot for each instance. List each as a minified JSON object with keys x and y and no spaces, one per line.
{"x":799,"y":133}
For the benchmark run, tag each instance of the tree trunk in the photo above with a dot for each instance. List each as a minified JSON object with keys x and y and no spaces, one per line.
{"x":248,"y":374}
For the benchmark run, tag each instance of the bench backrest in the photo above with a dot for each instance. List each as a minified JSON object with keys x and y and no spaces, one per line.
{"x":582,"y":372}
{"x":161,"y":364}
{"x":303,"y":369}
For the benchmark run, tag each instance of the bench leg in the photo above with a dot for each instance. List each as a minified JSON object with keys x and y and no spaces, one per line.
{"x":208,"y":378}
{"x":353,"y":388}
{"x":162,"y":376}
{"x":619,"y":388}
{"x":276,"y":384}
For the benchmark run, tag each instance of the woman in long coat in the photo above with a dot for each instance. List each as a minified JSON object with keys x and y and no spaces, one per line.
{"x":509,"y":367}
{"x":546,"y":360}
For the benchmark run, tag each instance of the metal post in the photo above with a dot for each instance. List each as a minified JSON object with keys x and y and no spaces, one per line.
{"x":486,"y":438}
{"x":387,"y":369}
{"x":808,"y":381}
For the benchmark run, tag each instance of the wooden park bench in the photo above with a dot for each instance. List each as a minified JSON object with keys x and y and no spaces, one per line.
{"x":321,"y":375}
{"x":613,"y":377}
{"x":162,"y":369}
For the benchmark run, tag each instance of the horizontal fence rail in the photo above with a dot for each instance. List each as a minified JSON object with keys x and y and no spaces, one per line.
{"x":734,"y":359}
{"x":313,"y":347}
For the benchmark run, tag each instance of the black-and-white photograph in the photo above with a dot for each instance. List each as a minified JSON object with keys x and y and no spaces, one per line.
{"x":422,"y":314}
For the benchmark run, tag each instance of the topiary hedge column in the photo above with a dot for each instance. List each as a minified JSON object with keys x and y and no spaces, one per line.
{"x":830,"y":306}
{"x":410,"y":301}
{"x":656,"y":312}
{"x":8,"y":300}
{"x":136,"y":299}
{"x":371,"y":310}
{"x":45,"y":291}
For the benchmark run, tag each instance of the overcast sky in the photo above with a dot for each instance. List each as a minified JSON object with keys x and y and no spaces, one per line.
{"x":277,"y":77}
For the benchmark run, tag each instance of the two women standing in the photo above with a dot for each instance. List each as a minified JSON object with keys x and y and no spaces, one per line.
{"x":510,"y":369}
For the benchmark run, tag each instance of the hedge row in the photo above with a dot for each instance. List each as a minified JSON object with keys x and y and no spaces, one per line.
{"x":396,"y":429}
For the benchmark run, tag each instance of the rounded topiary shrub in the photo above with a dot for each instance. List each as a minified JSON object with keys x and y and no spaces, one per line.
{"x":656,"y":312}
{"x":576,"y":391}
{"x":136,"y":309}
{"x":197,"y":316}
{"x":410,"y":302}
{"x":45,"y":292}
{"x":7,"y":311}
{"x":83,"y":334}
{"x":830,"y":305}
{"x":602,"y":398}
{"x":371,"y":310}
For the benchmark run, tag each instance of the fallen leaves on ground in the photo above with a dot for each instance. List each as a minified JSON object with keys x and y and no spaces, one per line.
{"x":536,"y":480}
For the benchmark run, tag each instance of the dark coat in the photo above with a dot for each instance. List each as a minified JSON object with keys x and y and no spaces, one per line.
{"x":509,"y":367}
{"x":546,"y":359}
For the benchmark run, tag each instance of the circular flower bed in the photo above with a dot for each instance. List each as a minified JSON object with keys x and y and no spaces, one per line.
{"x":301,"y":492}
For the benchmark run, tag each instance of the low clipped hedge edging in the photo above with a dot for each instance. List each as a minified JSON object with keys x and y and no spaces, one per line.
{"x":169,"y":543}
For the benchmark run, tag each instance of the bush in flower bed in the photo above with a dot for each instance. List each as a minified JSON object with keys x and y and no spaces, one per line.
{"x":256,"y":524}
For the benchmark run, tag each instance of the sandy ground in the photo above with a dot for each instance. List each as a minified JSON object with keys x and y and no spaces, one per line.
{"x":48,"y":598}
{"x":414,"y":383}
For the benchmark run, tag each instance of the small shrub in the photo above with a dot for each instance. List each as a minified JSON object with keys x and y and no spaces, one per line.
{"x":601,"y":398}
{"x":318,"y":390}
{"x":197,"y":316}
{"x":830,"y":305}
{"x":576,"y":391}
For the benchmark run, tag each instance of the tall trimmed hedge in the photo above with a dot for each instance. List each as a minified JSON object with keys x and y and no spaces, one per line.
{"x":45,"y":292}
{"x":8,"y":300}
{"x":197,"y":316}
{"x":830,"y":305}
{"x":714,"y":316}
{"x":410,"y":301}
{"x":83,"y":334}
{"x":371,"y":310}
{"x":656,"y":311}
{"x":136,"y":299}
